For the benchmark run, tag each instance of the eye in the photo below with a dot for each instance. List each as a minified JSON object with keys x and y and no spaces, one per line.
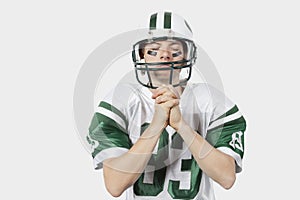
{"x":152,"y":52}
{"x":175,"y":47}
{"x":176,"y":54}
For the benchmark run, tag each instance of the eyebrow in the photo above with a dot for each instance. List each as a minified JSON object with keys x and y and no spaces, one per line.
{"x":153,"y":43}
{"x":171,"y":44}
{"x":175,"y":43}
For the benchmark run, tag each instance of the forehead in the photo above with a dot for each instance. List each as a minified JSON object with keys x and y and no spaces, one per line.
{"x":164,"y":43}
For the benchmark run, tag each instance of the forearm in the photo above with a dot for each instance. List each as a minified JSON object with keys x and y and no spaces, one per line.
{"x":216,"y":164}
{"x":122,"y":172}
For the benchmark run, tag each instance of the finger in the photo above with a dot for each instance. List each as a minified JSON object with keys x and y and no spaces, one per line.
{"x":167,"y":94}
{"x":171,"y":103}
{"x":172,"y":89}
{"x":164,"y":98}
{"x":159,"y":91}
{"x":165,"y":90}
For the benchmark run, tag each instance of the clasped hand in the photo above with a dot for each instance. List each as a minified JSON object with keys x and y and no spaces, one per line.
{"x":167,"y":110}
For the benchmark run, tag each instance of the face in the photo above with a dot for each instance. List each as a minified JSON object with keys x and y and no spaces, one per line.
{"x":164,"y":51}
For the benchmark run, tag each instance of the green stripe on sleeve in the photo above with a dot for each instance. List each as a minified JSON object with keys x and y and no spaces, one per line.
{"x":108,"y":133}
{"x":230,"y":112}
{"x":222,"y":135}
{"x":153,"y":20}
{"x":113,"y":109}
{"x":167,"y":20}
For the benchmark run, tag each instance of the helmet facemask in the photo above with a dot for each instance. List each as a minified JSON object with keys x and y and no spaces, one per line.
{"x":152,"y":69}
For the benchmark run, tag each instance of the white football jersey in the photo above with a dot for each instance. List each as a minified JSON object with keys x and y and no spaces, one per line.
{"x":172,"y":172}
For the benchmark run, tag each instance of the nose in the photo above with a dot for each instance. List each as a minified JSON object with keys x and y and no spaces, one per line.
{"x":165,"y":55}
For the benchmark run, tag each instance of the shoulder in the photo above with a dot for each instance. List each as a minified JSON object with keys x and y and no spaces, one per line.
{"x":209,"y":96}
{"x":206,"y":90}
{"x":123,"y":95}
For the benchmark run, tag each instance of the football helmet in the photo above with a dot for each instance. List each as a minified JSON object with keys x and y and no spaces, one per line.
{"x":166,"y":54}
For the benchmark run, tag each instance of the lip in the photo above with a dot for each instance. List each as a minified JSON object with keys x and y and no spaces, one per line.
{"x":163,"y":66}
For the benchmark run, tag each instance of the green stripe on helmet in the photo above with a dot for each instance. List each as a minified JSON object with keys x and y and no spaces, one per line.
{"x":188,"y":26}
{"x":153,"y":20}
{"x":167,"y":20}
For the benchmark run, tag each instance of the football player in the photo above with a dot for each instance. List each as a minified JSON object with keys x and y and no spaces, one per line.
{"x":163,"y":137}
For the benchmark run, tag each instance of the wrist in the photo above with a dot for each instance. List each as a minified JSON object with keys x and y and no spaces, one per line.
{"x":187,"y":133}
{"x":152,"y":132}
{"x":182,"y":127}
{"x":157,"y":128}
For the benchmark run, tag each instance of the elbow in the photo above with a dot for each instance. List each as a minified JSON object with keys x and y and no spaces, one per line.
{"x":114,"y":186}
{"x":228,"y":181}
{"x":113,"y":191}
{"x":229,"y":175}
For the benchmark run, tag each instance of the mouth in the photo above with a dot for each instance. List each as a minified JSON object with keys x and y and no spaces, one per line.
{"x":163,"y":68}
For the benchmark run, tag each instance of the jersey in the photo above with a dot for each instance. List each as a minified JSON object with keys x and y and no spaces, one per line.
{"x":172,"y":171}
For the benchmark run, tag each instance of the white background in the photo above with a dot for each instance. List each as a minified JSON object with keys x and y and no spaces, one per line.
{"x":43,"y":44}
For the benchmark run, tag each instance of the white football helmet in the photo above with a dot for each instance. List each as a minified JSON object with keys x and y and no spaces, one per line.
{"x":176,"y":70}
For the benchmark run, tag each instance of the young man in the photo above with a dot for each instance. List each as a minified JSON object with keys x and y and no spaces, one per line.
{"x":165,"y":138}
